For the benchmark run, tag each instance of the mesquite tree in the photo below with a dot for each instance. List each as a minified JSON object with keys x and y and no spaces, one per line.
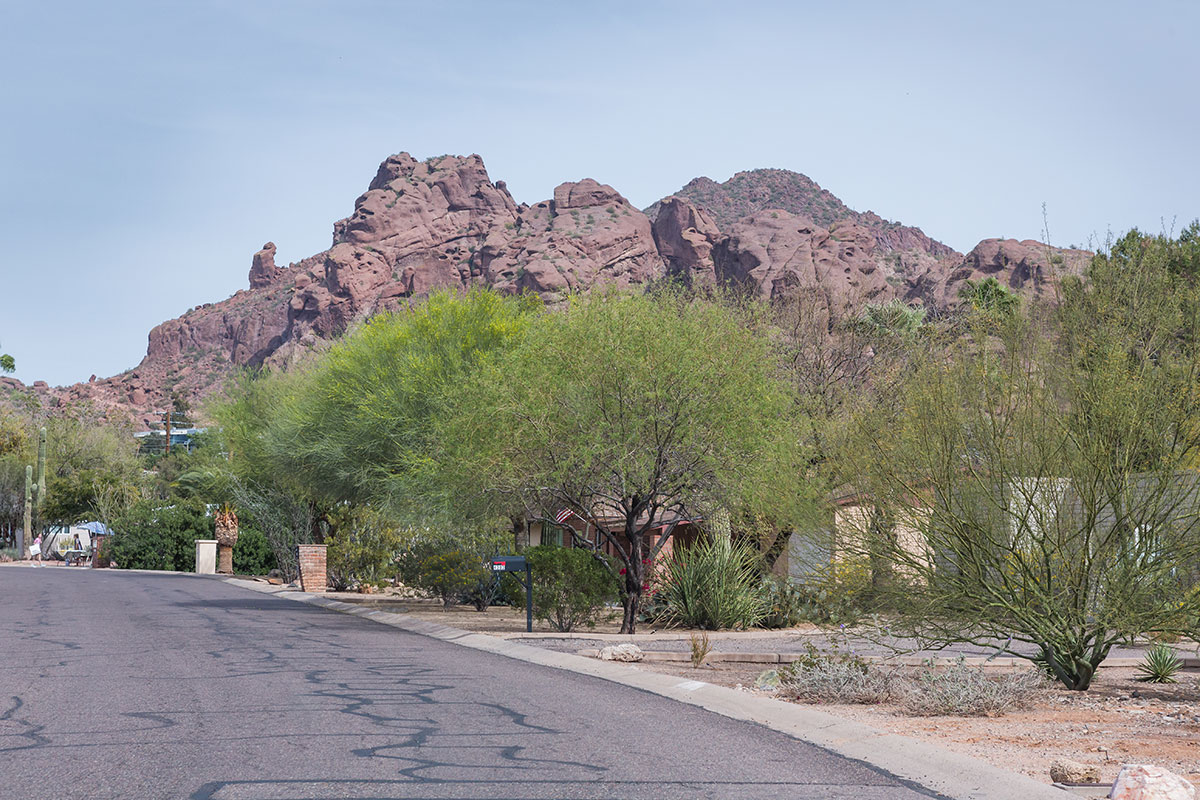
{"x":633,"y":412}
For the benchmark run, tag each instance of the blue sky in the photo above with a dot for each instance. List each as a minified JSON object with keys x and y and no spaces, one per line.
{"x":150,"y":148}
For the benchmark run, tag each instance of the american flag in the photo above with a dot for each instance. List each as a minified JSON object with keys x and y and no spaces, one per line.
{"x":563,"y":516}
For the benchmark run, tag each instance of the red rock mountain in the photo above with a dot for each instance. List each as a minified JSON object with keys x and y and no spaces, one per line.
{"x":443,"y":222}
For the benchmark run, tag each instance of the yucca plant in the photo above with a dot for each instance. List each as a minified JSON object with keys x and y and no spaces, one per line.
{"x":714,"y":584}
{"x":1160,"y":665}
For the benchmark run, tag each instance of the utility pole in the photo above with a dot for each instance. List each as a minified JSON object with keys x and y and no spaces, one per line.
{"x":167,"y":420}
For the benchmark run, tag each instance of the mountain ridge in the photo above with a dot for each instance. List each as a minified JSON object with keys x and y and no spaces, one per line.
{"x":442,"y":222}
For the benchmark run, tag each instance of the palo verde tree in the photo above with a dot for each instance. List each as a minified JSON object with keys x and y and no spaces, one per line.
{"x":634,"y":412}
{"x":1038,"y":474}
{"x":359,"y":425}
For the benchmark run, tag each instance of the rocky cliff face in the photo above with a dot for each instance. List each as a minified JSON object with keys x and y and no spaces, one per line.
{"x":443,"y":222}
{"x":748,"y":193}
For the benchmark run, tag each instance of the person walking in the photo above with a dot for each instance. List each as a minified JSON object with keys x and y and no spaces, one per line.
{"x":35,"y":550}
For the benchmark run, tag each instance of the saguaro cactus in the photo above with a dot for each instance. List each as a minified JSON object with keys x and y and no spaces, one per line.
{"x":227,"y":535}
{"x":40,"y":487}
{"x":25,"y":536}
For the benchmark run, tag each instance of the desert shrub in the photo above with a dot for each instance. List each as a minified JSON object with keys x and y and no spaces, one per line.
{"x":363,"y":551}
{"x":835,"y":676}
{"x":154,"y":536}
{"x":448,"y":573}
{"x":252,"y":555}
{"x":570,"y":587}
{"x":969,"y":691}
{"x":713,"y":584}
{"x":821,"y":602}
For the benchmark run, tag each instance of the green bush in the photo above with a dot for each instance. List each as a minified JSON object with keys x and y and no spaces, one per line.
{"x":252,"y":555}
{"x":363,"y":551}
{"x":450,"y":574}
{"x":155,"y":536}
{"x":570,"y":587}
{"x":713,"y":584}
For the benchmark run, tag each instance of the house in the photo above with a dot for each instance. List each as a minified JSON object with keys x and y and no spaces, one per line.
{"x":569,"y":527}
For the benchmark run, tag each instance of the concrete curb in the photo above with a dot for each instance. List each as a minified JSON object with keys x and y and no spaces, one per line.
{"x":674,"y":657}
{"x":950,"y":774}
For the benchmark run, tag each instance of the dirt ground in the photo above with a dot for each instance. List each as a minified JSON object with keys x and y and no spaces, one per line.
{"x":1117,"y":721}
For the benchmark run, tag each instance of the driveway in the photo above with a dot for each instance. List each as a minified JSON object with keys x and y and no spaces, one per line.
{"x":131,"y":685}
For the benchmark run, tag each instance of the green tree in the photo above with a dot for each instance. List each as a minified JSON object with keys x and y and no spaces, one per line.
{"x":634,"y":412}
{"x":358,"y":425}
{"x":990,"y":296}
{"x":1036,"y":476}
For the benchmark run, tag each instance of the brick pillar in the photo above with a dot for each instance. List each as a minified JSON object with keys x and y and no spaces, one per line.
{"x":312,"y":567}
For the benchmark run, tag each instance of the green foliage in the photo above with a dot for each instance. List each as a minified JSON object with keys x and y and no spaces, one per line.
{"x":713,"y":584}
{"x":1037,"y":475}
{"x":1160,"y":665}
{"x":153,"y":536}
{"x":822,"y":602}
{"x":570,"y":586}
{"x":7,"y":363}
{"x":637,"y":406}
{"x":894,"y":318}
{"x":990,"y":297}
{"x":252,"y":554}
{"x":450,"y":574}
{"x":359,"y":424}
{"x":363,"y":550}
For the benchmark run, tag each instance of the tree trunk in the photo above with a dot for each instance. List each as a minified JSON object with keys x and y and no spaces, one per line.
{"x":777,"y":548}
{"x":224,"y":559}
{"x":635,"y":577}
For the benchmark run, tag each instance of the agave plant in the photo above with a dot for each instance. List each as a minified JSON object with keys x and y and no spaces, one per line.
{"x":1160,"y":665}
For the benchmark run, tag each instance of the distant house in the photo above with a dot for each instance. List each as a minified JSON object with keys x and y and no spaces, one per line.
{"x":569,"y":525}
{"x":150,"y":442}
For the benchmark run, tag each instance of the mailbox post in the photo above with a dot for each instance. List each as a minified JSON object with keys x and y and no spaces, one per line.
{"x":518,"y":564}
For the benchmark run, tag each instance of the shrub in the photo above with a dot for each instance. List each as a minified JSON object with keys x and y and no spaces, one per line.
{"x":362,"y":552}
{"x":450,"y":574}
{"x":1160,"y":665}
{"x":154,"y":536}
{"x":713,"y":584}
{"x":968,"y":691}
{"x":836,"y":677}
{"x":570,"y":586}
{"x":252,"y":555}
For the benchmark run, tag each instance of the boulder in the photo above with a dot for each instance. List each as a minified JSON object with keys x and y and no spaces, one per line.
{"x":1064,"y":770}
{"x":622,"y":652}
{"x":1148,"y":782}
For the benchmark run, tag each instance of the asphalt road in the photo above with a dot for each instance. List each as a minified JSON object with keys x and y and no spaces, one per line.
{"x":120,"y":685}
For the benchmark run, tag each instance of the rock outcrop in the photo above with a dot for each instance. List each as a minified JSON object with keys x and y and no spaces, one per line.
{"x":263,"y":271}
{"x":748,"y":193}
{"x":442,"y":222}
{"x":588,"y":235}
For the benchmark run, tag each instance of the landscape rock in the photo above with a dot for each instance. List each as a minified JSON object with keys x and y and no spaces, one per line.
{"x":621,"y":652}
{"x":1148,"y":782}
{"x":1064,"y":770}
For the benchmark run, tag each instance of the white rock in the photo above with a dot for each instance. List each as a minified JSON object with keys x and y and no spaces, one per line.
{"x":621,"y":652}
{"x":1148,"y":782}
